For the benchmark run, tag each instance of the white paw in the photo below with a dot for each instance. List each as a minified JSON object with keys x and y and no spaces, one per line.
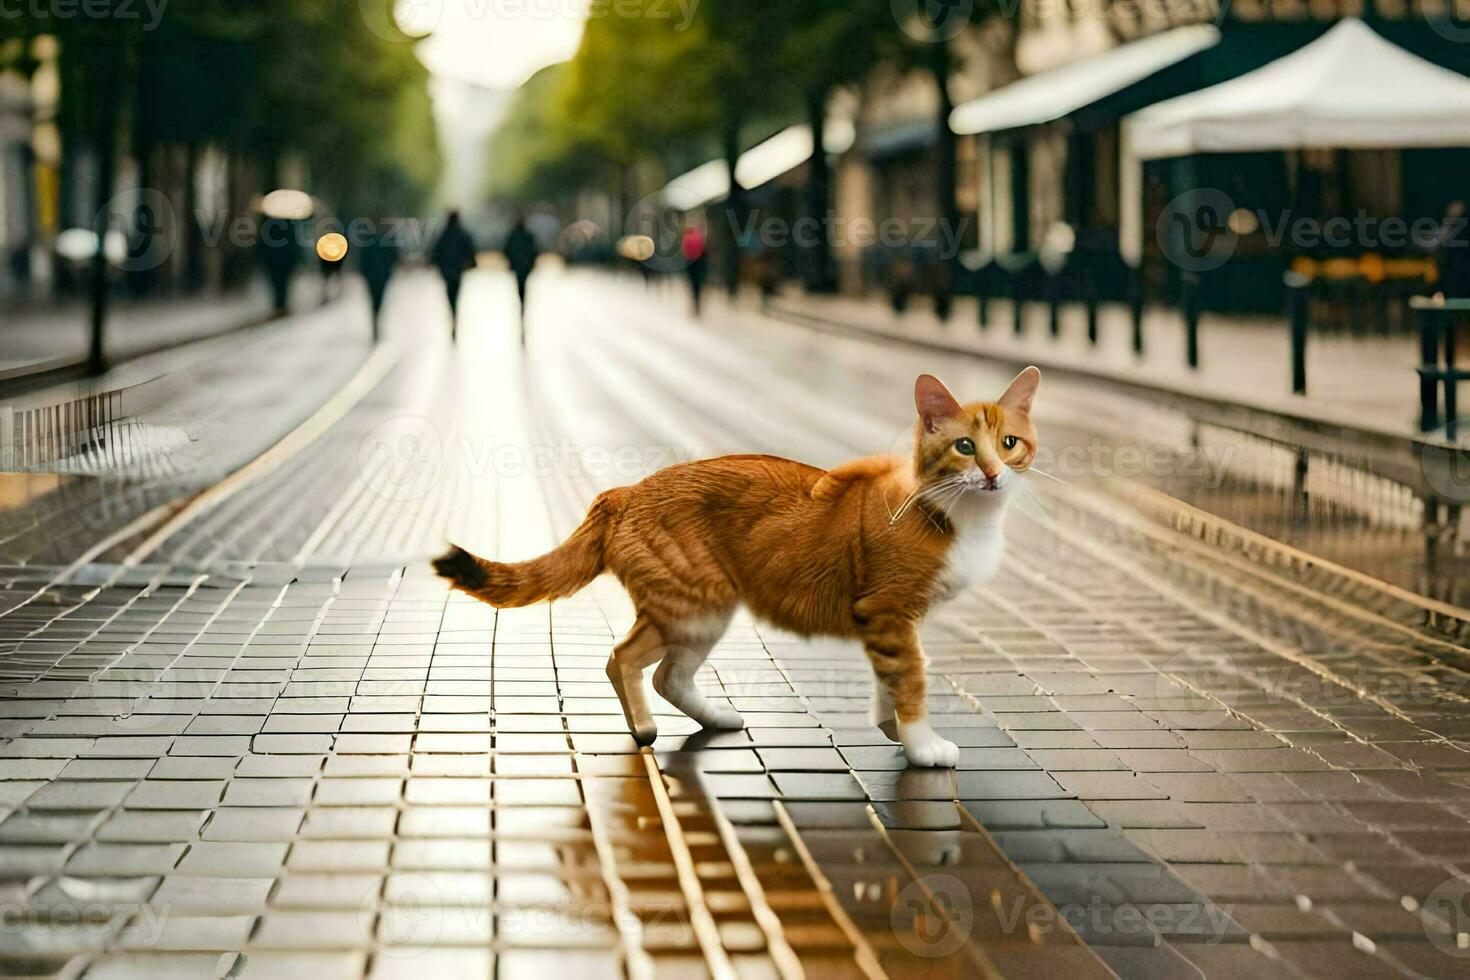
{"x":924,"y":747}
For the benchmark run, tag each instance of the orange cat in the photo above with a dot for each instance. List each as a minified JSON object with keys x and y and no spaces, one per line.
{"x":859,"y":551}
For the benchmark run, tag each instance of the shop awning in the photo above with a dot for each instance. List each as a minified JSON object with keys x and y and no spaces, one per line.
{"x":1053,"y":94}
{"x":1350,"y":88}
{"x":758,"y":165}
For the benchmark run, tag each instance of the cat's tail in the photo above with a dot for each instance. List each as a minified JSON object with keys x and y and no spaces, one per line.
{"x":560,"y":572}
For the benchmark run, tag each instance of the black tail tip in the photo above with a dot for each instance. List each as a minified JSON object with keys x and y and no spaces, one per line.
{"x":460,"y":567}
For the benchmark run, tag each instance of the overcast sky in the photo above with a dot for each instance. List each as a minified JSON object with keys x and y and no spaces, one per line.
{"x":493,"y":43}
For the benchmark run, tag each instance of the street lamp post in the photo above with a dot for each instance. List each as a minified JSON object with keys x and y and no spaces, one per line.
{"x":111,"y":54}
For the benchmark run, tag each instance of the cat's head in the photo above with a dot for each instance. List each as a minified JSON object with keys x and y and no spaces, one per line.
{"x":976,"y":447}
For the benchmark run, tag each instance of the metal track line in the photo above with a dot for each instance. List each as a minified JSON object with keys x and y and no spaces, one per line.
{"x":866,"y":959}
{"x":1147,"y":496}
{"x":700,"y":918}
{"x":976,"y":954}
{"x":785,"y":958}
{"x":630,"y":929}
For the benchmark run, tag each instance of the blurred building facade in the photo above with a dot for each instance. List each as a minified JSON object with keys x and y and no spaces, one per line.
{"x":1040,"y":100}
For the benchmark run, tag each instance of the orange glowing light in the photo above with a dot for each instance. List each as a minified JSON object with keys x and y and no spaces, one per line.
{"x":331,"y":247}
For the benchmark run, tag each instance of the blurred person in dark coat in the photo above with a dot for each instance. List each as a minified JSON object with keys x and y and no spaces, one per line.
{"x":279,"y":254}
{"x":1452,"y":262}
{"x":521,"y":253}
{"x":376,"y":258}
{"x":453,"y":255}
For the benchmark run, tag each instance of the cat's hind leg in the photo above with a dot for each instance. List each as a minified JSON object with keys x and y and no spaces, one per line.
{"x":690,"y":644}
{"x":643,"y":646}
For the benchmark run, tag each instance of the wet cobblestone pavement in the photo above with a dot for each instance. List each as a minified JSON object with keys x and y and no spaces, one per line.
{"x":275,"y":746}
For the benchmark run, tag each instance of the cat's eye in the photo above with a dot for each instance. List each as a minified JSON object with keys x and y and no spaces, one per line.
{"x":1009,"y":442}
{"x":964,"y":446}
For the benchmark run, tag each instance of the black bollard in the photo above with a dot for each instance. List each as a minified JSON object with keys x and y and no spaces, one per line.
{"x":1428,"y":366}
{"x":1190,"y":289}
{"x":1296,"y":292}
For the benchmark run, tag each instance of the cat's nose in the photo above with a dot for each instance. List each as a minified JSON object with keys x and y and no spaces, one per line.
{"x":991,"y":476}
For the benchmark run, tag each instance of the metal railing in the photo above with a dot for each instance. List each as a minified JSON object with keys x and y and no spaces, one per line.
{"x":1439,"y":321}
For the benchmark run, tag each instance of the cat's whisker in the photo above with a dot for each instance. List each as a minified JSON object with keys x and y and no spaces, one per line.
{"x":917,"y":494}
{"x":1041,"y":472}
{"x":894,"y":518}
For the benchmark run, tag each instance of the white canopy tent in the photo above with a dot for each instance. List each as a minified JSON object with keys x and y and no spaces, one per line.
{"x":1050,"y":95}
{"x":758,"y":165}
{"x":1349,"y":89}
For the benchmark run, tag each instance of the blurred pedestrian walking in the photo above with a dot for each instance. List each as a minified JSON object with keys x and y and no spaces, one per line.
{"x":695,"y":248}
{"x":1452,"y":257}
{"x":279,"y":254}
{"x":521,"y":253}
{"x":331,"y":270}
{"x":453,"y":254}
{"x":376,"y":258}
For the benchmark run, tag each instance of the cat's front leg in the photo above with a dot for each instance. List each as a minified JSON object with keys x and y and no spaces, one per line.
{"x":892,"y":645}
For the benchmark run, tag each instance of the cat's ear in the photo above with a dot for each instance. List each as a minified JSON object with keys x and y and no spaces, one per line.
{"x":933,"y":401}
{"x":1021,"y":392}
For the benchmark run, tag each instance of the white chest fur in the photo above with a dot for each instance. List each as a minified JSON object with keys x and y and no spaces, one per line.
{"x":975,"y":553}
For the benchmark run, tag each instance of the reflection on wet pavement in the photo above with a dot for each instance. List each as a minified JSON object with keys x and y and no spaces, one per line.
{"x":285,"y":750}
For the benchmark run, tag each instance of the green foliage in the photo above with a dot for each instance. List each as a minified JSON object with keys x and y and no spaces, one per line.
{"x":646,"y":84}
{"x":263,"y":79}
{"x":639,"y":86}
{"x":532,"y":156}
